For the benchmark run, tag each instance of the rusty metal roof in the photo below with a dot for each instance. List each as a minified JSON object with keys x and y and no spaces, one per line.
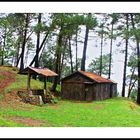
{"x":43,"y":71}
{"x":96,"y":77}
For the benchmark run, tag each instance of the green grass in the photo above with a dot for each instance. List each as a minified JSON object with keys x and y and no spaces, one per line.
{"x":109,"y":113}
{"x":5,"y":122}
{"x":21,"y":83}
{"x":116,"y":112}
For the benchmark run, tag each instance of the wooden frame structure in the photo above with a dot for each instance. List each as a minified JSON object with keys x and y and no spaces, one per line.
{"x":45,"y":72}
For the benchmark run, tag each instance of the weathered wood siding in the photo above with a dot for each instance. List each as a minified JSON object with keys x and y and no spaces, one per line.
{"x":78,"y":87}
{"x":73,"y":91}
{"x":102,"y":91}
{"x":114,"y":90}
{"x":78,"y":91}
{"x":74,"y":88}
{"x":105,"y":91}
{"x":90,"y":93}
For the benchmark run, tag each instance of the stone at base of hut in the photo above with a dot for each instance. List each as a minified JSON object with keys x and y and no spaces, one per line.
{"x":36,"y":99}
{"x":32,"y":99}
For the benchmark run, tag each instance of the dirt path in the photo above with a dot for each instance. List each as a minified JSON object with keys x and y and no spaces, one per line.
{"x":28,"y":121}
{"x":10,"y":99}
{"x":8,"y":78}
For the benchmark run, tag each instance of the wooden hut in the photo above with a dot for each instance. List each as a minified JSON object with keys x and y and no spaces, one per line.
{"x":45,"y":72}
{"x":87,"y":86}
{"x":41,"y":93}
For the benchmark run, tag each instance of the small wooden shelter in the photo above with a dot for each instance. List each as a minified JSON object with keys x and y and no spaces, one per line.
{"x":45,"y":72}
{"x":87,"y":86}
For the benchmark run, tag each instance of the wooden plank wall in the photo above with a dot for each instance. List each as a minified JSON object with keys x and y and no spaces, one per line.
{"x":73,"y":91}
{"x":103,"y":91}
{"x":114,"y":90}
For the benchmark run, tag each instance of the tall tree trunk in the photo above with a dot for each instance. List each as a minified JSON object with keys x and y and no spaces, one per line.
{"x":133,"y":84}
{"x":17,"y":54}
{"x":63,"y":55}
{"x":24,"y":42}
{"x":70,"y":52}
{"x":26,"y":57}
{"x":2,"y":59}
{"x":20,"y":35}
{"x":130,"y":83}
{"x":138,"y":57}
{"x":125,"y":61}
{"x":84,"y":50}
{"x":76,"y":51}
{"x":4,"y":43}
{"x":40,"y":48}
{"x":58,"y":61}
{"x":18,"y":60}
{"x":110,"y":54}
{"x":38,"y":43}
{"x":37,"y":46}
{"x":102,"y":37}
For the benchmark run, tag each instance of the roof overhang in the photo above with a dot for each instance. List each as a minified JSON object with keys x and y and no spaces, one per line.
{"x":40,"y":71}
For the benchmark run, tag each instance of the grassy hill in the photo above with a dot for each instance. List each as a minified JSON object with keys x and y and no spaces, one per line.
{"x":116,"y":112}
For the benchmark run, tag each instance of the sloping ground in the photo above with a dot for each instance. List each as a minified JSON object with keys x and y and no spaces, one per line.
{"x":10,"y":83}
{"x":8,"y":76}
{"x":109,"y":113}
{"x":116,"y":112}
{"x":7,"y":79}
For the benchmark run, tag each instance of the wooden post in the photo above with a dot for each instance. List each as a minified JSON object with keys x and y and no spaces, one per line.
{"x":45,"y":90}
{"x":28,"y":82}
{"x":45,"y":85}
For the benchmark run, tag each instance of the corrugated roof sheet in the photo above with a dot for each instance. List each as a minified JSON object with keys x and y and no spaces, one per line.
{"x":96,"y":77}
{"x":43,"y":71}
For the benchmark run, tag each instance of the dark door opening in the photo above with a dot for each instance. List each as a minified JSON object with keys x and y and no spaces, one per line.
{"x":88,"y":92}
{"x":111,"y":86}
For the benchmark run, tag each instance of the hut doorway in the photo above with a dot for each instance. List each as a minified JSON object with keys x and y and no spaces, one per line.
{"x":88,"y":92}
